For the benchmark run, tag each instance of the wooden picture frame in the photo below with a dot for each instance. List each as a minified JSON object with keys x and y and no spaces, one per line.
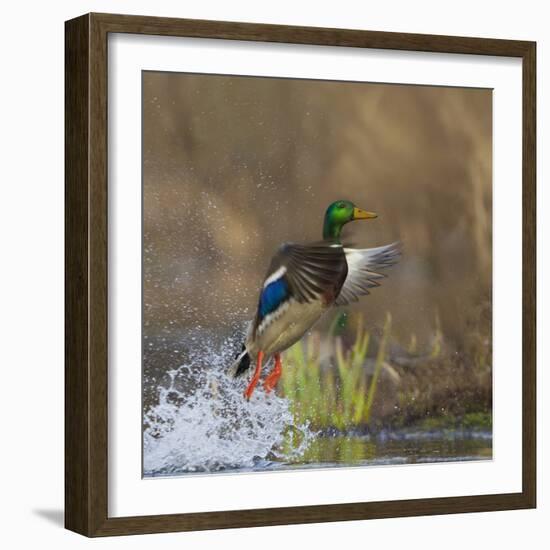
{"x":86,"y":360}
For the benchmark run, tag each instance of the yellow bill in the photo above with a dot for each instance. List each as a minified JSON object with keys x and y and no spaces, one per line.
{"x":359,"y":214}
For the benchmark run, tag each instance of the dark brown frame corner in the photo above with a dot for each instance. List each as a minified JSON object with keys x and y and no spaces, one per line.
{"x":86,"y":274}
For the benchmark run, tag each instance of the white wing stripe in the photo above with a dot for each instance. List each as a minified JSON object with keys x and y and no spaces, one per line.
{"x":275,"y":275}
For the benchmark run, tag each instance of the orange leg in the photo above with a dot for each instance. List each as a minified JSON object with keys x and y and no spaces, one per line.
{"x":250,"y":389}
{"x":271,"y":381}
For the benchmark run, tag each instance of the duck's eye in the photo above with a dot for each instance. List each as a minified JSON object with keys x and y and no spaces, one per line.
{"x":342,"y":205}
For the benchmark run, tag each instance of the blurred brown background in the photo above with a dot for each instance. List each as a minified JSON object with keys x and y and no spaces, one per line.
{"x":234,"y":166}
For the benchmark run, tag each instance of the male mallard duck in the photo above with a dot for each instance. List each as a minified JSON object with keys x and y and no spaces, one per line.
{"x":302,"y":282}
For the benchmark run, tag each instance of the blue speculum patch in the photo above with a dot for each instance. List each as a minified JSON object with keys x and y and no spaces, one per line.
{"x":273,"y":295}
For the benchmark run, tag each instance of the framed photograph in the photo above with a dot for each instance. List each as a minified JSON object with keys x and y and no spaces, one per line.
{"x":300,"y":275}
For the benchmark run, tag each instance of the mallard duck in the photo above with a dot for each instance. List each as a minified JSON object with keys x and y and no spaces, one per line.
{"x":303,"y":281}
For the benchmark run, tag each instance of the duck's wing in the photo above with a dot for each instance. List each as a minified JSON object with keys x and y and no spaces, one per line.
{"x":313,"y":271}
{"x":306,"y":273}
{"x":363,"y":266}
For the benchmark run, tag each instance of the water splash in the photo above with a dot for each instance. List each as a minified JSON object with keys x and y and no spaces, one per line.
{"x":202,"y":423}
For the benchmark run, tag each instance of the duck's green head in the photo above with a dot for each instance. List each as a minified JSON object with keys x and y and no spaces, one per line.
{"x":338,"y":214}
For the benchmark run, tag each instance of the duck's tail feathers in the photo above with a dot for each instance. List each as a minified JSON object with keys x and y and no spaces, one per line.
{"x":241,"y":364}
